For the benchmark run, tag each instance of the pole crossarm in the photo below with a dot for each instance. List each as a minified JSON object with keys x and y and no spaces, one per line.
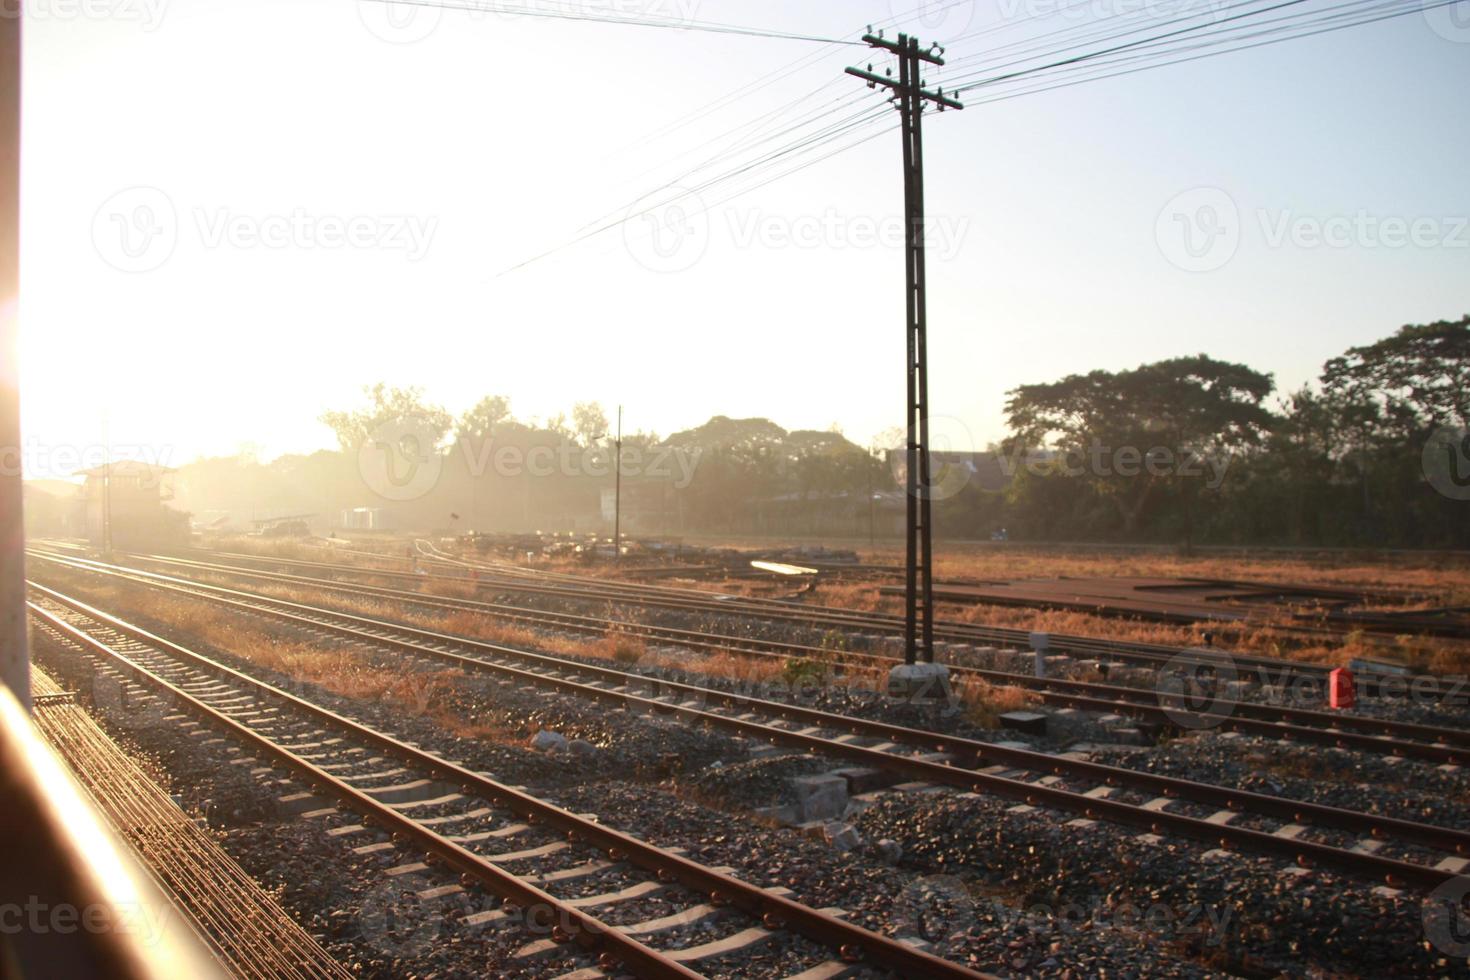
{"x":938,"y":97}
{"x":898,"y":47}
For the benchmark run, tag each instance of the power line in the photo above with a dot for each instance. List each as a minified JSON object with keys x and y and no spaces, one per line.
{"x":539,"y":8}
{"x":1006,"y":96}
{"x":746,"y":145}
{"x":805,"y":145}
{"x":867,"y":137}
{"x":755,"y":125}
{"x":1240,"y":31}
{"x":1157,"y":50}
{"x":730,"y":98}
{"x":1097,"y":30}
{"x":754,"y":85}
{"x":1091,"y":55}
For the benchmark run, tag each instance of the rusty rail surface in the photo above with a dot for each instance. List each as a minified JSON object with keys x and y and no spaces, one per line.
{"x":1333,"y":728}
{"x":565,"y":586}
{"x":1306,"y":853}
{"x":851,"y":941}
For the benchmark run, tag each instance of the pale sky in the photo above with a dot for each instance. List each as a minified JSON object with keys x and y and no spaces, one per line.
{"x":333,"y":198}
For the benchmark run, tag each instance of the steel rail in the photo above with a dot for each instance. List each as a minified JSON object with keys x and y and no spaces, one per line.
{"x":1326,"y":719}
{"x":1339,"y":729}
{"x":970,"y":752}
{"x":1305,"y":853}
{"x":607,"y":590}
{"x":893,"y":622}
{"x":589,"y":931}
{"x":851,"y":941}
{"x":658,"y":596}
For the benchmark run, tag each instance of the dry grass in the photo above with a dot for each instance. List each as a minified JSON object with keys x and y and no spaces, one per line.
{"x":985,"y":702}
{"x":622,"y":646}
{"x":852,"y":595}
{"x":1425,"y":653}
{"x":1445,"y":574}
{"x":624,"y":649}
{"x":423,"y":693}
{"x":1437,"y":579}
{"x":448,"y":587}
{"x":1440,"y":579}
{"x":428,"y":693}
{"x":1438,"y":575}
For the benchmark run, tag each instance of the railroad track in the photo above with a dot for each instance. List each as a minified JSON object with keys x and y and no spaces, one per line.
{"x":1162,"y":706}
{"x":1307,"y":834}
{"x":248,"y":932}
{"x":363,"y":784}
{"x":505,"y":578}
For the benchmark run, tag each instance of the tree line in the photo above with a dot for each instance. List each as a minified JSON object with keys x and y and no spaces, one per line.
{"x":1186,"y":450}
{"x":1373,"y":453}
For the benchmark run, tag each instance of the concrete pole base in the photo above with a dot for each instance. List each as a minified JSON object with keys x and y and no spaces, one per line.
{"x":920,"y":683}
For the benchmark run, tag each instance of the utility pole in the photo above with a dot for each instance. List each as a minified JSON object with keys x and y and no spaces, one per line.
{"x":872,"y":534}
{"x":618,"y":491}
{"x":912,"y":99}
{"x":107,"y":489}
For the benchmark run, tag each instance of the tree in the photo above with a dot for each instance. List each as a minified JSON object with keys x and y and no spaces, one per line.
{"x":589,"y":422}
{"x":1131,"y":434}
{"x":1295,"y":473}
{"x":1417,"y":377}
{"x":387,"y":407}
{"x":478,"y":424}
{"x":1387,"y":397}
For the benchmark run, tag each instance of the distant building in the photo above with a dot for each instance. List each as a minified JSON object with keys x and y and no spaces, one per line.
{"x":364,"y":519}
{"x":130,"y":498}
{"x":285,"y":526}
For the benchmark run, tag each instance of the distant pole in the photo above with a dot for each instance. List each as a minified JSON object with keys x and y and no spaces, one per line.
{"x":919,"y":543}
{"x":618,"y":491}
{"x":15,"y":666}
{"x":107,"y":488}
{"x":872,"y":534}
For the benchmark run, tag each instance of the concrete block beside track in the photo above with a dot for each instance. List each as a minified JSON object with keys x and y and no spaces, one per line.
{"x":822,"y":797}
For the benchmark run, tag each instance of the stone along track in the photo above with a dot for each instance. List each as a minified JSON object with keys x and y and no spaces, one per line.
{"x":378,"y":782}
{"x":1165,"y":705}
{"x":1305,"y":833}
{"x":502,"y":578}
